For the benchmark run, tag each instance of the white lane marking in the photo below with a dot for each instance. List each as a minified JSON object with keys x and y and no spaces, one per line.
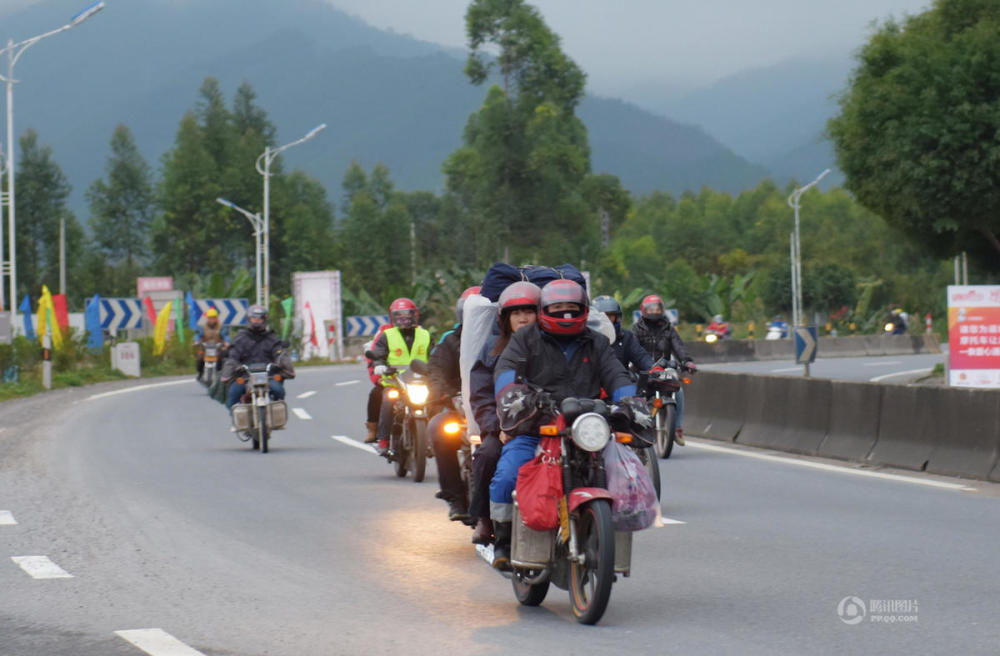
{"x":301,"y":414}
{"x":40,"y":567}
{"x":667,"y":520}
{"x":778,"y":371}
{"x":831,"y":468}
{"x":343,"y":439}
{"x":306,"y":395}
{"x":7,"y":518}
{"x":157,"y":642}
{"x":880,"y":364}
{"x":347,"y":382}
{"x":901,"y":373}
{"x":139,"y":387}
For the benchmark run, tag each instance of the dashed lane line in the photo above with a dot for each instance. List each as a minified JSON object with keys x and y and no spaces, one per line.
{"x":40,"y":567}
{"x":831,"y":468}
{"x":901,"y":373}
{"x":306,"y":395}
{"x":7,"y":518}
{"x":347,"y":382}
{"x":778,"y":371}
{"x":301,"y":413}
{"x":137,"y":388}
{"x":157,"y":642}
{"x":343,"y":439}
{"x":879,"y":363}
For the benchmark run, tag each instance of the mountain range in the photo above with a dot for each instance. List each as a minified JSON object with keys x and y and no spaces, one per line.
{"x":385,"y":97}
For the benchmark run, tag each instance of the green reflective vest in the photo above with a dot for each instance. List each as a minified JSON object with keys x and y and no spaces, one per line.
{"x":399,"y":354}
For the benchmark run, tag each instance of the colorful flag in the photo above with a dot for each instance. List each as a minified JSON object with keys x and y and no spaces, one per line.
{"x":160,"y":331}
{"x":92,"y":317}
{"x":147,"y":303}
{"x":313,"y":339}
{"x":47,"y":321}
{"x":61,"y":311}
{"x":194,"y":312}
{"x":25,"y":308}
{"x":180,"y":322}
{"x":286,"y":322}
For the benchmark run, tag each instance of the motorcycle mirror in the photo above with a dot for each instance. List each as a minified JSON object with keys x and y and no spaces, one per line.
{"x":420,"y":367}
{"x":370,"y":354}
{"x":571,"y":408}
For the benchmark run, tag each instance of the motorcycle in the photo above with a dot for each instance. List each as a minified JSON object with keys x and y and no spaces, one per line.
{"x":257,"y":414}
{"x":776,"y":330}
{"x":409,"y":446}
{"x":211,"y":354}
{"x":584,"y":553}
{"x":660,"y":390}
{"x":455,"y":428}
{"x":713,"y":335}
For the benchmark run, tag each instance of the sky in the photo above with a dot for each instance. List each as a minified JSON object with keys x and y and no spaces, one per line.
{"x":680,"y":43}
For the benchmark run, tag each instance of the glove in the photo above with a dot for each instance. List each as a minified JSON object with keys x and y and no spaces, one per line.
{"x":380,"y":370}
{"x":690,"y":365}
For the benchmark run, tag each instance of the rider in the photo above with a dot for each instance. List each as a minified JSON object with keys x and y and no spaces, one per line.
{"x":562,"y":357}
{"x":626,"y":345}
{"x":211,"y":333}
{"x":375,"y":393}
{"x":518,"y":308}
{"x":660,"y":339}
{"x":396,"y":347}
{"x":779,"y":325}
{"x":719,"y":327}
{"x":898,"y":319}
{"x":252,"y":345}
{"x":445,"y":383}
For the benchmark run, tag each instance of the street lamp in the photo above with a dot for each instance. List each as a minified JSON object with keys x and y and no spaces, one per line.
{"x":14,"y":52}
{"x":266,"y":158}
{"x":258,"y":231}
{"x":793,"y":202}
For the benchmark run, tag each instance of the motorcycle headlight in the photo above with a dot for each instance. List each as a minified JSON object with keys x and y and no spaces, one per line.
{"x":711,"y":338}
{"x":591,"y":431}
{"x":417,"y":394}
{"x":889,"y":327}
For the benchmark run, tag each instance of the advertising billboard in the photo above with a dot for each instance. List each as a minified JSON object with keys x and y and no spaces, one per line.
{"x":974,"y":336}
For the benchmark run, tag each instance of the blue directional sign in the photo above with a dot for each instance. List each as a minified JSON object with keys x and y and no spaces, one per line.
{"x":365,"y":325}
{"x":805,"y":344}
{"x":119,"y":313}
{"x":232,"y":311}
{"x":672,"y":315}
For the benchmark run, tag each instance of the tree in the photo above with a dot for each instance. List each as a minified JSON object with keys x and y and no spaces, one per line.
{"x":121,"y":213}
{"x":41,"y":196}
{"x":917,"y":131}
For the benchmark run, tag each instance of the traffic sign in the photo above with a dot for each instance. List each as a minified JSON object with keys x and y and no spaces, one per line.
{"x":232,"y":311}
{"x":365,"y":325}
{"x":805,"y":344}
{"x":120,"y":313}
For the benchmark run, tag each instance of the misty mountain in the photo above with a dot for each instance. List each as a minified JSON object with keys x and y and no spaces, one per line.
{"x":385,"y":97}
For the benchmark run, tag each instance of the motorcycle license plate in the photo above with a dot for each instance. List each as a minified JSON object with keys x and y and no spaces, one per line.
{"x":258,"y":379}
{"x":210,"y":358}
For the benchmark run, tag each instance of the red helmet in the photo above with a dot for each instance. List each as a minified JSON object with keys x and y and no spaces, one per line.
{"x":403,"y":313}
{"x":564,"y":322}
{"x":520,"y":294}
{"x":461,"y":300}
{"x":652,"y":307}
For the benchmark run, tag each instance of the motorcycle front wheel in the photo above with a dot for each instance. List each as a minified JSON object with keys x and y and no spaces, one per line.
{"x":263,"y":430}
{"x":529,"y":594}
{"x":590,"y":581}
{"x":666,"y":424}
{"x":419,"y":443}
{"x":401,"y":450}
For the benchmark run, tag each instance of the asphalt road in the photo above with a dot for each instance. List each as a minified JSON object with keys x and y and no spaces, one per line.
{"x":164,"y":520}
{"x":886,"y":369}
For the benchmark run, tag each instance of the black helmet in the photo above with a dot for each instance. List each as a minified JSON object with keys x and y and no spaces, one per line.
{"x":607,"y":305}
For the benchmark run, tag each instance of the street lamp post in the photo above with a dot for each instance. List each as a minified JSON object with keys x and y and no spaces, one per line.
{"x":263,"y":166}
{"x":14,"y":52}
{"x":258,"y":231}
{"x":793,"y":202}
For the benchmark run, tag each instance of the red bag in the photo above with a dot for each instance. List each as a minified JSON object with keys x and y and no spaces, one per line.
{"x":539,"y":487}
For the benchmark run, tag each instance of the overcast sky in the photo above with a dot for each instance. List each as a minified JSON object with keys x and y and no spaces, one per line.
{"x":688,"y":42}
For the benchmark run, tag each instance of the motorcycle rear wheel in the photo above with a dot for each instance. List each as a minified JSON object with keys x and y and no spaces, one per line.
{"x":529,"y":594}
{"x":262,"y":428}
{"x":666,"y":425}
{"x":419,"y":433}
{"x":402,"y":454}
{"x":590,"y":582}
{"x":652,"y":464}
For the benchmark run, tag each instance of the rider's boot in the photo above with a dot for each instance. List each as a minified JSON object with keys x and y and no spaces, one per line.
{"x":370,"y":426}
{"x":501,"y":549}
{"x":483,"y":533}
{"x":679,"y":436}
{"x":458,"y":510}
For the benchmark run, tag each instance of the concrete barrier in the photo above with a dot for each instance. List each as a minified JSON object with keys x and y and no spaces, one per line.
{"x":854,"y":420}
{"x":789,"y":414}
{"x":778,"y":349}
{"x":715,"y":405}
{"x":842,"y":347}
{"x":740,"y":350}
{"x":906,"y":431}
{"x":967,"y":432}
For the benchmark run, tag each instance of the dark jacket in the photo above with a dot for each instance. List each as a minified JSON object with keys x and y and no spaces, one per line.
{"x":591,"y":366}
{"x":445,"y":371}
{"x":630,"y":351}
{"x":481,"y":397}
{"x":660,"y":340}
{"x":250,"y":347}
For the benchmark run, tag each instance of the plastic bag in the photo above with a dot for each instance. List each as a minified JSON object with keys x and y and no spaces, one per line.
{"x":634,"y":503}
{"x":479,"y":319}
{"x":539,"y":487}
